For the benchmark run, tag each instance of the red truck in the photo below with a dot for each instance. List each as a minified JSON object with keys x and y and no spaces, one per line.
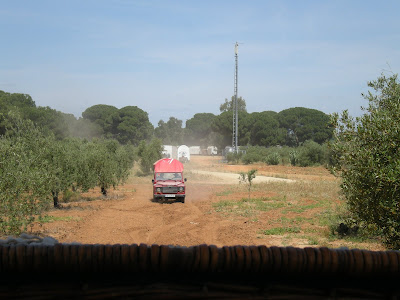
{"x":168,"y":182}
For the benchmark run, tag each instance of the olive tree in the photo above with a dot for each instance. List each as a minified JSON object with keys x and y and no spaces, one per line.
{"x":366,"y":156}
{"x":108,"y":162}
{"x":35,"y":167}
{"x":124,"y":157}
{"x":61,"y":168}
{"x":69,"y":167}
{"x":79,"y":157}
{"x":148,"y":154}
{"x":247,"y":178}
{"x":102,"y":163}
{"x":24,"y":176}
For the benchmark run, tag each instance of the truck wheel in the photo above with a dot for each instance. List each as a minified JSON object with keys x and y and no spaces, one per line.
{"x":183,"y":199}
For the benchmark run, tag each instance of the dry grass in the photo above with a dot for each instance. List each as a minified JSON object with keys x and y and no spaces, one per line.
{"x":298,"y":213}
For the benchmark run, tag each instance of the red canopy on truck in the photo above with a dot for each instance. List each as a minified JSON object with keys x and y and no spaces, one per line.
{"x":168,"y":165}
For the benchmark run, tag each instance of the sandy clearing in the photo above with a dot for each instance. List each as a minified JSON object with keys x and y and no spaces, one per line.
{"x":233,"y":178}
{"x":128,"y":215}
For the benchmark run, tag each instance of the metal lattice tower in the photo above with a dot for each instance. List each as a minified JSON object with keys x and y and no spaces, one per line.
{"x":235,"y":104}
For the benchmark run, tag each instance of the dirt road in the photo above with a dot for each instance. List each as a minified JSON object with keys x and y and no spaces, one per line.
{"x":137,"y":219}
{"x":130,"y":216}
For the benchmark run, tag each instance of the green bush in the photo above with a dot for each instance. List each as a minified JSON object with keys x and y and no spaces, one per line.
{"x":284,"y":152}
{"x":294,"y":157}
{"x":254,"y":154}
{"x":311,"y":154}
{"x":273,"y":159}
{"x":367,"y":158}
{"x":234,"y":157}
{"x":250,"y":158}
{"x":270,"y":155}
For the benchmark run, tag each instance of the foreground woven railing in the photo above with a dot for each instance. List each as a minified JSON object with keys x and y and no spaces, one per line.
{"x":201,"y":258}
{"x":165,"y":272}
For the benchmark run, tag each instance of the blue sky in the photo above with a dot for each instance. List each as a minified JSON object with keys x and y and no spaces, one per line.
{"x":176,"y":58}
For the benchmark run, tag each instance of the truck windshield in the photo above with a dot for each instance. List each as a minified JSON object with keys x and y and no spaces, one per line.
{"x":168,"y":176}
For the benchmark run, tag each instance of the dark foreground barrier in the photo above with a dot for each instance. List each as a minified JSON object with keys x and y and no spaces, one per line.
{"x":203,"y":271}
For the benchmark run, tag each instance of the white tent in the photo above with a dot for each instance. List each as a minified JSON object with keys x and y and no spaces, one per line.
{"x":183,"y":153}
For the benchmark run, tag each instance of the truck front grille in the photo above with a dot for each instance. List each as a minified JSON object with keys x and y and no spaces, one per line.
{"x":169,"y":190}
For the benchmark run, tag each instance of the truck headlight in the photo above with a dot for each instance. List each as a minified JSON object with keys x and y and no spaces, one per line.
{"x":158,"y":190}
{"x":181,"y":189}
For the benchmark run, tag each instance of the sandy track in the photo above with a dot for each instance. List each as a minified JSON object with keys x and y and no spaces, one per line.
{"x":137,"y":219}
{"x":131,"y":217}
{"x":233,"y":178}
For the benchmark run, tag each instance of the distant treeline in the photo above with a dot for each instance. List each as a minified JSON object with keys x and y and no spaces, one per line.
{"x":131,"y":125}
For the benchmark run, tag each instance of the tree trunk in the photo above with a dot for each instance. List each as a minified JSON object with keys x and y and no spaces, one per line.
{"x":55,"y":199}
{"x":103,"y":191}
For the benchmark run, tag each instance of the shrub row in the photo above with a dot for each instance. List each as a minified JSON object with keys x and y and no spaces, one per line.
{"x":35,"y":168}
{"x":308,"y":154}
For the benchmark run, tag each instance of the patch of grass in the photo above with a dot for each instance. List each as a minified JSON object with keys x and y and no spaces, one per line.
{"x":342,"y":227}
{"x":223,"y":205}
{"x":49,"y":219}
{"x":311,"y":230}
{"x":233,"y":207}
{"x":313,"y":241}
{"x":281,"y":176}
{"x":302,"y":208}
{"x":301,"y":212}
{"x":248,"y":207}
{"x":316,"y":190}
{"x":71,"y":196}
{"x":284,"y":221}
{"x":286,"y":241}
{"x":225,"y":192}
{"x":280,"y":230}
{"x":354,"y":238}
{"x":247,"y":213}
{"x":265,"y":204}
{"x":327,"y":217}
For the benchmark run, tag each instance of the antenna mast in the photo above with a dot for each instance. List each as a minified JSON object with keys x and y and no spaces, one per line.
{"x":235,"y":105}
